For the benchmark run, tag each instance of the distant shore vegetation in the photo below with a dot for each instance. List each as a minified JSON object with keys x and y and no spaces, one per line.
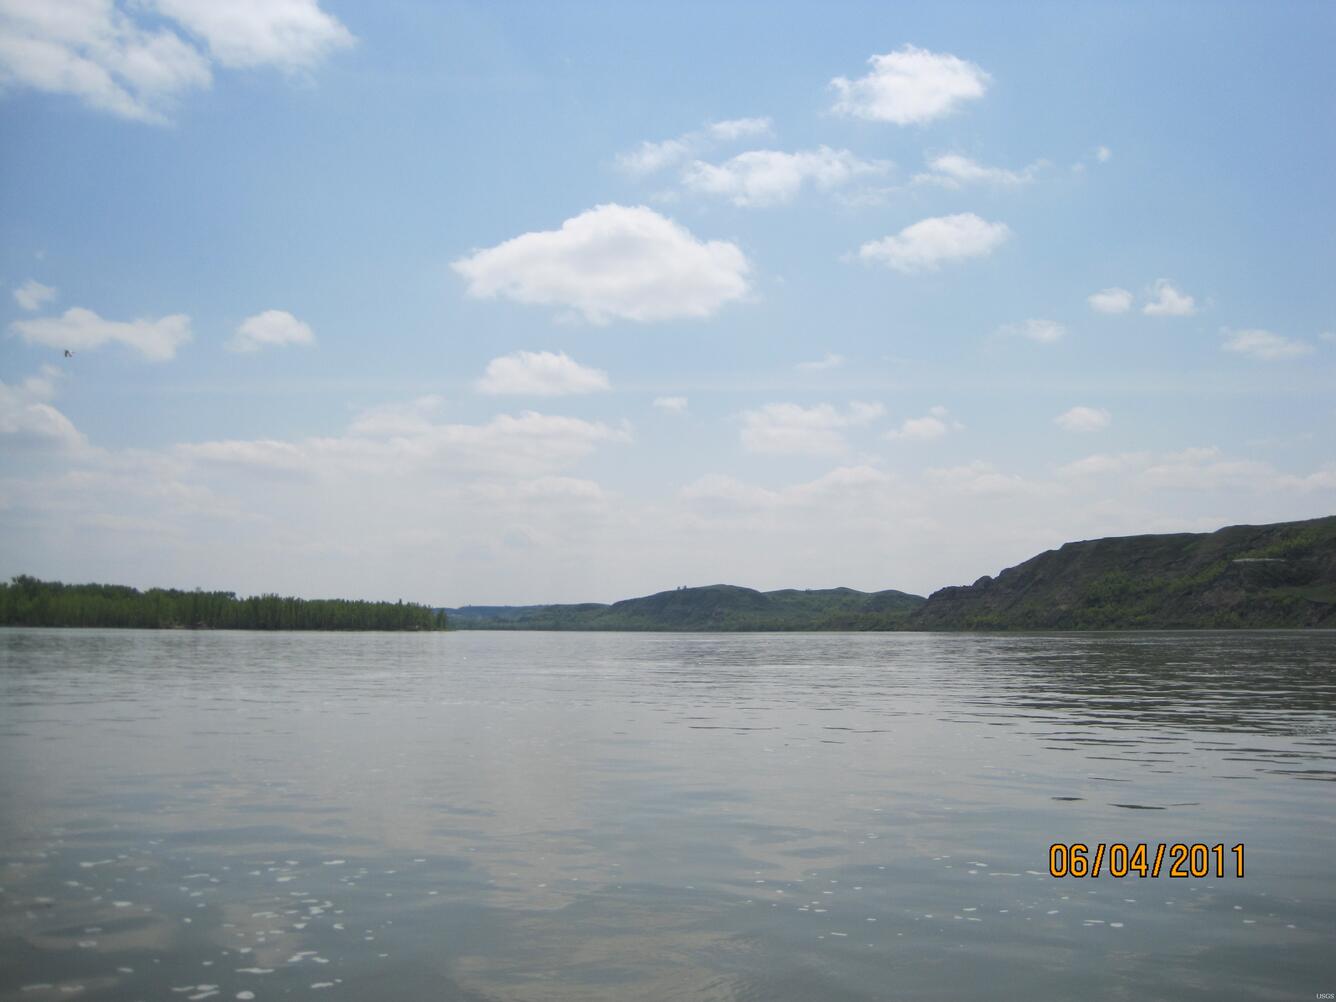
{"x":27,"y":601}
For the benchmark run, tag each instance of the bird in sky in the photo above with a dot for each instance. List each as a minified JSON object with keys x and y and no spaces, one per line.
{"x":68,"y":353}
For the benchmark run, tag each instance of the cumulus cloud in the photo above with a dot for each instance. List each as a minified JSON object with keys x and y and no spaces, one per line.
{"x":674,"y":405}
{"x":719,"y":493}
{"x":771,"y":177}
{"x":933,"y":425}
{"x":540,"y":373}
{"x":28,"y":420}
{"x":1112,"y":300}
{"x":1265,"y":345}
{"x":77,"y":328}
{"x":270,"y":329}
{"x":1169,"y":301}
{"x":910,"y":86}
{"x":612,"y":262}
{"x":983,"y":478}
{"x":831,"y":361}
{"x":793,"y":429}
{"x":652,"y":157}
{"x":1081,"y":419}
{"x":929,"y":243}
{"x":1103,"y":464}
{"x":288,"y":34}
{"x":951,"y":170}
{"x":1103,"y":154}
{"x":403,"y":439}
{"x":96,"y":51}
{"x":32,"y":295}
{"x":738,"y":128}
{"x":1043,"y":331}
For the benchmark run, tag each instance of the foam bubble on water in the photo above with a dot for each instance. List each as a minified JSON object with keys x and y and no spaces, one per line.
{"x":245,"y":995}
{"x":1115,"y":925}
{"x":255,"y":970}
{"x":335,"y":862}
{"x":323,"y":984}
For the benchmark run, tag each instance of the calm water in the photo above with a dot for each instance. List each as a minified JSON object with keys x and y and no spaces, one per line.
{"x":650,"y":816}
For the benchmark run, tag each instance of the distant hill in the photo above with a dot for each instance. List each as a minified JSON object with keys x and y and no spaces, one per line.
{"x":1258,"y":576}
{"x":712,"y":608}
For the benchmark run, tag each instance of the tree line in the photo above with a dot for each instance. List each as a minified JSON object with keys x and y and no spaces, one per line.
{"x":27,"y":601}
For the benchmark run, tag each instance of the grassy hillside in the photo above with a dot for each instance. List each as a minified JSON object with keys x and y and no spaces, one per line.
{"x":1259,"y":576}
{"x":712,"y":608}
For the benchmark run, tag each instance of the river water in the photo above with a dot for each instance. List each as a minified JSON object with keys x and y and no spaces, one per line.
{"x":534,"y":816}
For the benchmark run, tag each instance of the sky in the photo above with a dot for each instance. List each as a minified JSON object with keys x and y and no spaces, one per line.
{"x":527,"y":302}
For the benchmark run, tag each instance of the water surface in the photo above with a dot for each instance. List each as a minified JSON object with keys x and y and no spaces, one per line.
{"x":494,"y":816}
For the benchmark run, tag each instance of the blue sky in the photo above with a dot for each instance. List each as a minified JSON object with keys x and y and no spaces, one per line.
{"x":562,"y":302}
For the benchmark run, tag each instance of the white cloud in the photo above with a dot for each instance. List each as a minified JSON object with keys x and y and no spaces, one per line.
{"x":95,"y":51}
{"x":925,"y":245}
{"x":933,"y":425}
{"x":1113,"y":300}
{"x":1102,"y":464}
{"x":794,"y":429}
{"x":652,"y":157}
{"x":1169,"y":302}
{"x":270,"y":329}
{"x":910,"y":85}
{"x":400,"y":419}
{"x":771,"y":177}
{"x":1081,"y":419}
{"x":951,"y":170}
{"x":831,"y":361}
{"x":288,"y":34}
{"x":1266,"y":345}
{"x":540,"y":373}
{"x":922,"y":429}
{"x":981,"y":478}
{"x":738,"y":128}
{"x":719,"y":493}
{"x":1103,"y":154}
{"x":612,"y":262}
{"x":1043,"y":331}
{"x":28,"y":420}
{"x":1206,"y":468}
{"x":397,"y":440}
{"x":674,"y":405}
{"x":77,"y":328}
{"x":32,"y":295}
{"x":90,"y":49}
{"x":1328,"y":336}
